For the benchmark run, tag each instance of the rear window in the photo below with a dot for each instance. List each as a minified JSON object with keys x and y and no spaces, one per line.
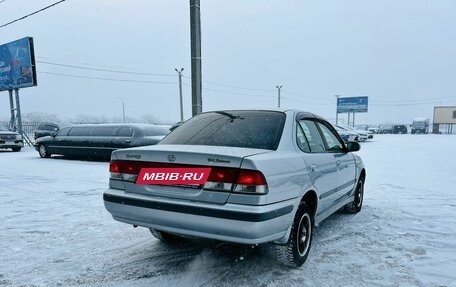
{"x":249,"y":129}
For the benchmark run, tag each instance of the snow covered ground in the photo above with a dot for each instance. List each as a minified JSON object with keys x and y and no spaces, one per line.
{"x":54,"y":230}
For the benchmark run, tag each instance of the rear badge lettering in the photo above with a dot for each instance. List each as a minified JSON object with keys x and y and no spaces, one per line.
{"x":173,"y":176}
{"x":218,"y":160}
{"x":135,"y":156}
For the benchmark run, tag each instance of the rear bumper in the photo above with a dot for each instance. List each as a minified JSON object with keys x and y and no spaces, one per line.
{"x":245,"y":224}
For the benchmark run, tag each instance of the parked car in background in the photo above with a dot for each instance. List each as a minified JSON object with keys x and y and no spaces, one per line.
{"x":420,"y":126}
{"x":346,"y":135}
{"x":273,"y":176}
{"x":362,"y":135}
{"x":98,"y":140}
{"x":373,"y":130}
{"x":45,"y":129}
{"x":386,"y":129}
{"x":399,"y":129}
{"x":10,"y":139}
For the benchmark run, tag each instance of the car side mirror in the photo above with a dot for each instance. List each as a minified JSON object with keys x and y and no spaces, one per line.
{"x":53,"y":134}
{"x":353,"y":146}
{"x":56,"y":129}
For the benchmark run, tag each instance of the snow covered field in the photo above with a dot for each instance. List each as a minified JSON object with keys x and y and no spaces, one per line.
{"x":54,"y":230}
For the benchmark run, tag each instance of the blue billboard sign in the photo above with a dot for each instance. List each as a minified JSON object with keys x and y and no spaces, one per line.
{"x":352,"y":105}
{"x":17,"y":65}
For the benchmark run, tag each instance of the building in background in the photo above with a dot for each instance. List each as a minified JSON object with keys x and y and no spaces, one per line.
{"x":444,"y":119}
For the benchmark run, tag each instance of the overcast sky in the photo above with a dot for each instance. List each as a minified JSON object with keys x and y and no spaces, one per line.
{"x":401,"y":54}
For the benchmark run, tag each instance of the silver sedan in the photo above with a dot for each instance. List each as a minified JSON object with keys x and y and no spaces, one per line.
{"x":272,"y":176}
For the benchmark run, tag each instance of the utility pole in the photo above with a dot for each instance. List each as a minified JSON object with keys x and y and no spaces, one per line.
{"x":123,"y":108}
{"x":195,"y":45}
{"x":13,"y":117}
{"x":337,"y":113}
{"x":18,"y":113}
{"x":180,"y":93}
{"x":278,"y":94}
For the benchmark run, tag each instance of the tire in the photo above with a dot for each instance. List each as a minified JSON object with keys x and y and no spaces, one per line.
{"x":16,"y":149}
{"x":166,"y":237}
{"x":42,"y":150}
{"x":294,"y":253}
{"x":357,"y":204}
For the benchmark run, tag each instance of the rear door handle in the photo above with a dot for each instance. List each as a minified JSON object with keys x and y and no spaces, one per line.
{"x":312,"y":168}
{"x":128,"y":141}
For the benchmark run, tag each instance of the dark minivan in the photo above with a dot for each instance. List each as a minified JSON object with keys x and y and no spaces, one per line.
{"x":98,"y":140}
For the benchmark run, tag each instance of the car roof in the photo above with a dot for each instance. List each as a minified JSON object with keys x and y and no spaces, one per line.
{"x":300,"y":113}
{"x":138,"y":125}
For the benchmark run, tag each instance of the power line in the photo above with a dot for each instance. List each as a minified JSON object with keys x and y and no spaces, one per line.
{"x":385,"y":103}
{"x":105,"y":70}
{"x":234,"y":87}
{"x":33,"y":13}
{"x":105,"y":79}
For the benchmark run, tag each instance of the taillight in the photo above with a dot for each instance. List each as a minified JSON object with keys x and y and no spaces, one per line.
{"x":125,"y":169}
{"x":114,"y":170}
{"x":251,"y":181}
{"x":236,"y":180}
{"x":221,"y":178}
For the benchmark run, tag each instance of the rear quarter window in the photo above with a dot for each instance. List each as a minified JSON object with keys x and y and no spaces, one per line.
{"x":249,"y":129}
{"x":63,"y":132}
{"x":155,"y":131}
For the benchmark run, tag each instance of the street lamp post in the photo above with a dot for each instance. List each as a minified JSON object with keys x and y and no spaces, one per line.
{"x":278,"y":94}
{"x":180,"y":93}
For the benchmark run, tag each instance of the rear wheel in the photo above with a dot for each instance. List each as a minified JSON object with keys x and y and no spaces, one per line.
{"x":355,"y":206}
{"x":166,"y":237}
{"x":16,"y":148}
{"x":294,"y":253}
{"x":42,"y":150}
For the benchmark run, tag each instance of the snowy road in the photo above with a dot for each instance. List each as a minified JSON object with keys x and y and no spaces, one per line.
{"x":54,"y":230}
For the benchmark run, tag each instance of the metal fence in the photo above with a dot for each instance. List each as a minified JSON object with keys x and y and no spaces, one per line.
{"x":27,"y":127}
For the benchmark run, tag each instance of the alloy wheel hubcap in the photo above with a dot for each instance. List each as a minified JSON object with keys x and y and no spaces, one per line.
{"x":42,"y":150}
{"x":304,"y":232}
{"x":359,"y":195}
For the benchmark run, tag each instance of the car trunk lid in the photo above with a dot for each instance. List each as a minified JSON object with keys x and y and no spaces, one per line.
{"x":225,"y":163}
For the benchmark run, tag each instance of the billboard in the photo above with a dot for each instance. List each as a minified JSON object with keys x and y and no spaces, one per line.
{"x":352,"y":105}
{"x":17,"y":64}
